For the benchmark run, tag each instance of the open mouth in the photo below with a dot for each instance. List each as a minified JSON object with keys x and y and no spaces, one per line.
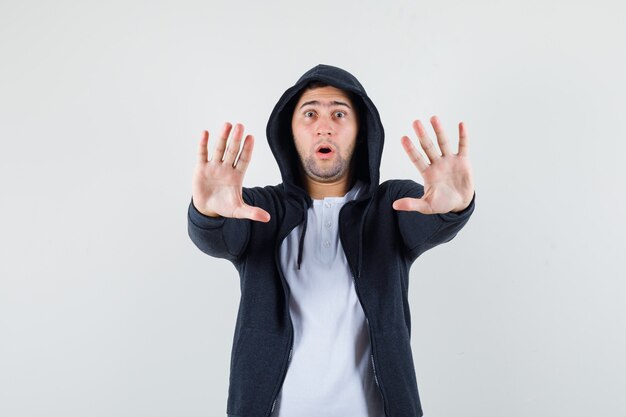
{"x":324,"y":150}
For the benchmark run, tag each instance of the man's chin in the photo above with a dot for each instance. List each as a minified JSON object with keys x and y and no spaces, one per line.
{"x":327,"y":174}
{"x":326,"y":180}
{"x":327,"y":177}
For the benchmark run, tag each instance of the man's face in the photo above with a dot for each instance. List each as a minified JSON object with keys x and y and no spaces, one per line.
{"x":325,"y":128}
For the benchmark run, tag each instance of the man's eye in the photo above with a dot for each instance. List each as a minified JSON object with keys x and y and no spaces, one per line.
{"x":340,"y":114}
{"x":309,"y":114}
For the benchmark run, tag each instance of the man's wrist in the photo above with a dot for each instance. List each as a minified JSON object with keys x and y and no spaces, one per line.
{"x":205,"y":212}
{"x":465,"y":206}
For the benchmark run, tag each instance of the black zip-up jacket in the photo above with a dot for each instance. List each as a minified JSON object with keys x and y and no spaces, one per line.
{"x":379,"y":242}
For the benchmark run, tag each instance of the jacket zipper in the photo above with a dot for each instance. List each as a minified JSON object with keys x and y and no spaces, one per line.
{"x":380,"y":390}
{"x":369,"y":327}
{"x":282,"y":277}
{"x":285,"y":374}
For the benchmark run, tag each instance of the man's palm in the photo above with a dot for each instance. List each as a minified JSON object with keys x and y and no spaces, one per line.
{"x":448,"y":182}
{"x":217,"y":183}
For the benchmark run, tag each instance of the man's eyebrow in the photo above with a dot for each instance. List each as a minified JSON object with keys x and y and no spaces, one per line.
{"x":332,"y":103}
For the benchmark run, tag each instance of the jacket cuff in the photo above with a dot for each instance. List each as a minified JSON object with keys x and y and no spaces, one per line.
{"x":461,"y":215}
{"x":201,"y":220}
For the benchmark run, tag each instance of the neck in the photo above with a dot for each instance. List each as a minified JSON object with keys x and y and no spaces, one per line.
{"x":320,"y":190}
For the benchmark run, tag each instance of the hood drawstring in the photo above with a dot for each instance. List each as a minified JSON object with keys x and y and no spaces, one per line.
{"x":301,"y":243}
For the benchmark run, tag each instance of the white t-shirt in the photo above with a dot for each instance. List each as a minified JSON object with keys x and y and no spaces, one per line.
{"x":330,"y":373}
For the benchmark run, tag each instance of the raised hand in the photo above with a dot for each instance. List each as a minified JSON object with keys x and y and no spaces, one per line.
{"x":448,"y":183}
{"x":217,"y":182}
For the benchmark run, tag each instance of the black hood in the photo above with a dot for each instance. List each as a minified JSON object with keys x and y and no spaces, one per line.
{"x":368,"y":151}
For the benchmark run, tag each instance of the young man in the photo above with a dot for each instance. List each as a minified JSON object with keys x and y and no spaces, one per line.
{"x":324,"y":324}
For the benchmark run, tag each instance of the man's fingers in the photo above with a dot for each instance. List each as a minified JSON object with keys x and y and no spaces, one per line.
{"x":442,"y":139}
{"x":233,"y":145}
{"x":463,"y":141}
{"x":427,"y":144}
{"x":414,"y":155}
{"x":252,"y":213}
{"x":203,"y":152}
{"x":220,"y":145}
{"x":412,"y":204}
{"x":246,"y":154}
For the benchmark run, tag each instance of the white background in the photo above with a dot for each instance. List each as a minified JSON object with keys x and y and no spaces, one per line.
{"x":108,"y":309}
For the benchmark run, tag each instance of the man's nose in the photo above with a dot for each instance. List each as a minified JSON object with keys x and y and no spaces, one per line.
{"x":324,"y":128}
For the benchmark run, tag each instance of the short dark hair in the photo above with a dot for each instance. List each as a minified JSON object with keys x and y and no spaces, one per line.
{"x":320,"y":84}
{"x":315,"y":84}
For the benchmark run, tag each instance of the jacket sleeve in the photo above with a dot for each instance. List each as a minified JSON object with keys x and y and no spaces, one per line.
{"x":421,"y":232}
{"x":218,"y":236}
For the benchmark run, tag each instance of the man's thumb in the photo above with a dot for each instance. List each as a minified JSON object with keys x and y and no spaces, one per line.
{"x":411,"y":204}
